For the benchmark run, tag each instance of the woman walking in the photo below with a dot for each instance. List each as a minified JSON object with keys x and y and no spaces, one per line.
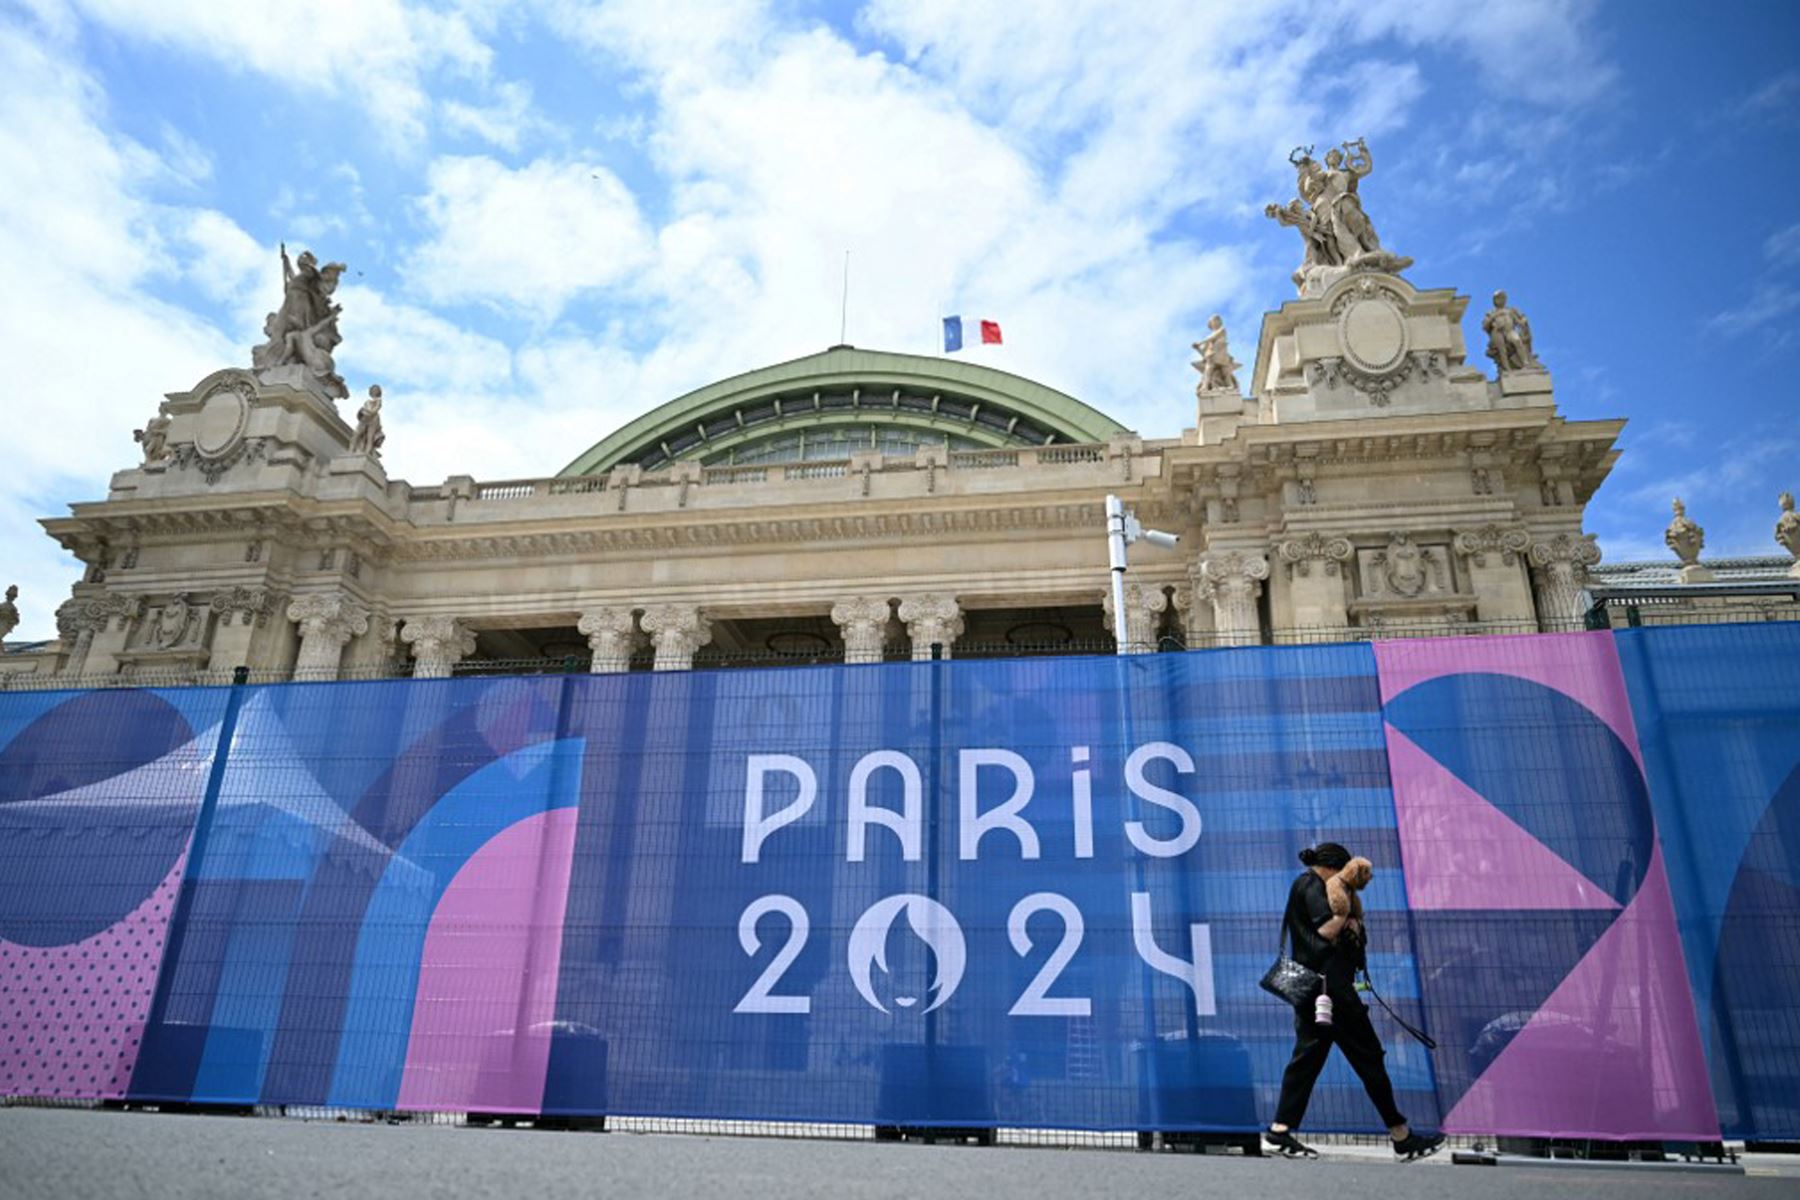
{"x":1332,"y":944}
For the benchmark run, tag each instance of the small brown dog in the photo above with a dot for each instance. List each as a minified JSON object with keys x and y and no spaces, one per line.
{"x":1341,"y":889}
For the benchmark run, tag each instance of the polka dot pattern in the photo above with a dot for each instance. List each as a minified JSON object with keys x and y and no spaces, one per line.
{"x":72,"y":1017}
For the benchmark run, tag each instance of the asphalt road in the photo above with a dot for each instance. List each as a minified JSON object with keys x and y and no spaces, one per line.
{"x":76,"y":1155}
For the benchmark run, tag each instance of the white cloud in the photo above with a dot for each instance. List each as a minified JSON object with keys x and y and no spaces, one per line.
{"x":502,"y":123}
{"x":407,"y":348}
{"x":1769,"y":303}
{"x":93,"y":348}
{"x":377,"y":51}
{"x":1782,"y":248}
{"x":534,"y":237}
{"x":224,"y":262}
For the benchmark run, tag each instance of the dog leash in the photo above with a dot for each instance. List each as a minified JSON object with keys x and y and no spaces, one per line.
{"x":1425,"y":1039}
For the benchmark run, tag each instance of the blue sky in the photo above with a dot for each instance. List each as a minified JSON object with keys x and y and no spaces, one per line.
{"x":558,"y":215}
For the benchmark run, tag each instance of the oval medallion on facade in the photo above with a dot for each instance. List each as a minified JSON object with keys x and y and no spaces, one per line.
{"x":1374,"y":333}
{"x":220,"y":426}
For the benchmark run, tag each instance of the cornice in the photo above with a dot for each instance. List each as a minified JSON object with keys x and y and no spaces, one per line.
{"x":700,"y":531}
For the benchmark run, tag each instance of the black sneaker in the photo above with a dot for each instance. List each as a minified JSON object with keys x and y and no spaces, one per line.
{"x":1418,"y":1145}
{"x":1287,"y":1145}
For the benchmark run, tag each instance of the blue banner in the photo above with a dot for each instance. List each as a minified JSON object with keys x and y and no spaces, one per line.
{"x":1025,"y":893}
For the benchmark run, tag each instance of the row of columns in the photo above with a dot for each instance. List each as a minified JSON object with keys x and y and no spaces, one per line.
{"x":327,"y":622}
{"x":1219,"y":604}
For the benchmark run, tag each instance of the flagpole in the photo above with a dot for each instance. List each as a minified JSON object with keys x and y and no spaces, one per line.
{"x":844,"y":308}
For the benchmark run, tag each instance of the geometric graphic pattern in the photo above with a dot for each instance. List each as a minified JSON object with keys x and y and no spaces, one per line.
{"x":1020,"y":892}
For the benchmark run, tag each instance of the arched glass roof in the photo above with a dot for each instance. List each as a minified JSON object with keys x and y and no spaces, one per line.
{"x":829,"y":404}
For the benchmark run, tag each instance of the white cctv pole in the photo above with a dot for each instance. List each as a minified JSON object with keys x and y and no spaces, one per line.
{"x":1115,"y":551}
{"x":1121,"y":530}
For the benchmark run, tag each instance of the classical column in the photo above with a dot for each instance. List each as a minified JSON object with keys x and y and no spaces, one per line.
{"x":327,"y":621}
{"x":1491,"y":557}
{"x":863,"y":621}
{"x":933,"y":618}
{"x":1560,"y":566}
{"x":438,"y":644}
{"x":1315,"y":584}
{"x":1196,"y":613}
{"x":76,"y":629}
{"x":1144,"y":602}
{"x":676,"y":630}
{"x":1232,"y":580}
{"x":610,"y":633}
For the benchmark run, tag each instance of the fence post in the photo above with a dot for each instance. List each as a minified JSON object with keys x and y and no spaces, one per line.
{"x":196,"y":855}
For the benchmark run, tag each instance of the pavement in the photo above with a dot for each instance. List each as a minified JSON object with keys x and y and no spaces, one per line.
{"x":73,"y":1154}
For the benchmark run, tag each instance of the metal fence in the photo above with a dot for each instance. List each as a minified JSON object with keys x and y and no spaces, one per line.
{"x":1606,"y":612}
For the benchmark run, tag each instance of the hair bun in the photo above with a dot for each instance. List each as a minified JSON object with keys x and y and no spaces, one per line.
{"x":1309,"y":857}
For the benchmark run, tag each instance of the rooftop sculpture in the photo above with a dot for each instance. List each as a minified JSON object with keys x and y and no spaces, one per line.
{"x":303,"y":332}
{"x":1218,"y":370}
{"x":1338,"y":234}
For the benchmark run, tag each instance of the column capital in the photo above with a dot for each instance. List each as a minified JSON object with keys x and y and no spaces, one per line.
{"x":863,"y":621}
{"x":1300,"y":553}
{"x":331,"y":616}
{"x":251,"y":606}
{"x":1562,"y":562}
{"x":438,"y":643}
{"x":611,"y":634}
{"x":1573,"y":552}
{"x":327,"y":620}
{"x":1508,"y":541}
{"x":1232,"y":580}
{"x":677,"y":631}
{"x":1143,"y":602}
{"x":931,"y":618}
{"x":1233,"y":570}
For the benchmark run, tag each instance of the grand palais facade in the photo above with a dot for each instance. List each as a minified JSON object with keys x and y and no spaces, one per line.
{"x":1368,"y":478}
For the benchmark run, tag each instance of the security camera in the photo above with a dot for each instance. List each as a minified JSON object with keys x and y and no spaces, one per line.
{"x":1157,"y":537}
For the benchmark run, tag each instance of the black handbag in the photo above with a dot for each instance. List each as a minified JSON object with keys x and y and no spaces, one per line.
{"x":1293,"y":981}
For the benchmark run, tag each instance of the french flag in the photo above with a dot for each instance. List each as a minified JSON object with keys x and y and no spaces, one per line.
{"x":953,"y":333}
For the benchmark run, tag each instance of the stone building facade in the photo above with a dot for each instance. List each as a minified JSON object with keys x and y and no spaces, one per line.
{"x":859,"y":504}
{"x":862,"y":503}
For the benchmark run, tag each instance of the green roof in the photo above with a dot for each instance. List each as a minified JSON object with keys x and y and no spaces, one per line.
{"x":844,"y":386}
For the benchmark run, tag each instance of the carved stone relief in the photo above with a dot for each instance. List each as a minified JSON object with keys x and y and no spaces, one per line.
{"x":1404,"y":569}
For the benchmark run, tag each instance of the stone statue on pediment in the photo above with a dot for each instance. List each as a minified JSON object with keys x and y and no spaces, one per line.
{"x":1218,"y":370}
{"x":154,"y":438}
{"x":1509,"y":338}
{"x":1338,"y":234}
{"x":303,"y":331}
{"x":9,"y":612}
{"x":368,"y":436}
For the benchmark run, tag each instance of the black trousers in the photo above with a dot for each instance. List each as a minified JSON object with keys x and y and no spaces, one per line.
{"x":1351,"y":1032}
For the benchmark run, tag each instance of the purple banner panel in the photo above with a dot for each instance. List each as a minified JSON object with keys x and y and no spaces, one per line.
{"x":1551,"y":962}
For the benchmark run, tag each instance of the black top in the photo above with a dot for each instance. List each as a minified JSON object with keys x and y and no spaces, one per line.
{"x":1307,"y":909}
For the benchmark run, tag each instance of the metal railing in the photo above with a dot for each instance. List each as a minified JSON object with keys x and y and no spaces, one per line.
{"x":715,"y":658}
